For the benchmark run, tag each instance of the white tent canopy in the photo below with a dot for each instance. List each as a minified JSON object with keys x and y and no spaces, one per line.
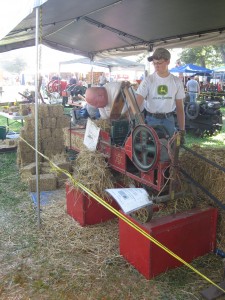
{"x":119,"y":27}
{"x":112,"y":64}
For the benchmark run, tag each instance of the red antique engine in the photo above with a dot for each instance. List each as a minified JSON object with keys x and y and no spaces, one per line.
{"x":56,"y":86}
{"x":133,"y":148}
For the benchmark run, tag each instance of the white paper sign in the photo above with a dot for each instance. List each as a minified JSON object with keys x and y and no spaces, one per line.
{"x":130,"y":199}
{"x":91,"y":135}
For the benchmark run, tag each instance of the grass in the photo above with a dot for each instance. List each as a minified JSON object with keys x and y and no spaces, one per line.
{"x":217,"y":141}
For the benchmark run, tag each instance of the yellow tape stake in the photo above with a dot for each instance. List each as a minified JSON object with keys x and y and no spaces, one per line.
{"x":124,"y":218}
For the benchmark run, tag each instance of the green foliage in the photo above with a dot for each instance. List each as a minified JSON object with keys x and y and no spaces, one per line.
{"x":13,"y":126}
{"x":16,"y":65}
{"x":206,"y":56}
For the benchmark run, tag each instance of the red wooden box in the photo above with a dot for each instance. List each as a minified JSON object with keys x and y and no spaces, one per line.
{"x":84,"y":209}
{"x":189,"y":235}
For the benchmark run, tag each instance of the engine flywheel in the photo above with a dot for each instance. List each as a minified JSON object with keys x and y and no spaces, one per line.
{"x":145,"y":147}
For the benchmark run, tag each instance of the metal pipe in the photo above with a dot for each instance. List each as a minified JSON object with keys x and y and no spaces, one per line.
{"x":36,"y":117}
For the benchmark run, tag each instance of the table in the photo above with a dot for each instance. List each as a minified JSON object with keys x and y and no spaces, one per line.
{"x":12,"y":117}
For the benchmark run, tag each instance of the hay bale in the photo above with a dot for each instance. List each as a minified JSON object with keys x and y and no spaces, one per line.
{"x":57,"y":133}
{"x":63,"y":121}
{"x":207,"y":175}
{"x":56,"y":110}
{"x":28,"y":123}
{"x":24,"y":109}
{"x":47,"y":182}
{"x":45,"y":133}
{"x":27,"y":171}
{"x":210,"y":178}
{"x":92,"y":170}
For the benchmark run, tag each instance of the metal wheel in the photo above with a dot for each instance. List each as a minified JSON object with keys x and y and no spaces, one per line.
{"x":145,"y":147}
{"x":192,"y":110}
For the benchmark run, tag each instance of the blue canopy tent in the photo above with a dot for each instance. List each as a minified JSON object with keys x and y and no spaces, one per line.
{"x":193,"y":69}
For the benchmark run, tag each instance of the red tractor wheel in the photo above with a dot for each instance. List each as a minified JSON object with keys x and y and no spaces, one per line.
{"x":53,"y":86}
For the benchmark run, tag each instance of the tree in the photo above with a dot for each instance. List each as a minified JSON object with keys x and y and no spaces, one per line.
{"x":16,"y":65}
{"x":205,"y":56}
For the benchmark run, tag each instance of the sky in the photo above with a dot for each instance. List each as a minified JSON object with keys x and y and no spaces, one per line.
{"x":50,"y":58}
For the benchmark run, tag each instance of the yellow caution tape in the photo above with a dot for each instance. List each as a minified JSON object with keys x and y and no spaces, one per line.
{"x":124,"y":218}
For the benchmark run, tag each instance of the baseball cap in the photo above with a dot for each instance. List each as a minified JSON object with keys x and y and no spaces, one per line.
{"x":160,"y":53}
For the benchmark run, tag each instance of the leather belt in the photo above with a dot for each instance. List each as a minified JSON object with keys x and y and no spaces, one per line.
{"x":160,"y":116}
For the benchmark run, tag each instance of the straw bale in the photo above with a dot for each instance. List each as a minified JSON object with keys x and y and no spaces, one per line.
{"x":32,"y":109}
{"x":28,"y":123}
{"x":62,"y":177}
{"x":66,"y":136}
{"x":74,"y":141}
{"x":45,"y":169}
{"x":45,"y":133}
{"x":27,"y":171}
{"x":52,"y":122}
{"x":92,"y":170}
{"x":18,"y":158}
{"x":43,"y":111}
{"x":46,"y":122}
{"x":27,"y":135}
{"x":48,"y":153}
{"x":221,"y":231}
{"x":47,"y":182}
{"x":57,"y":133}
{"x":47,"y":143}
{"x":211,"y":178}
{"x":56,"y":110}
{"x":24,"y":109}
{"x":26,"y":158}
{"x":63,"y":121}
{"x":24,"y":147}
{"x":59,"y":148}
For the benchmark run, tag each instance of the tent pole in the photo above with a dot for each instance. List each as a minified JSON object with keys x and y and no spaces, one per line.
{"x":92,"y":77}
{"x":36,"y":117}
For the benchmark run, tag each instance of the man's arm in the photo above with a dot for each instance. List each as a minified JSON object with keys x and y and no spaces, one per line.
{"x":140,"y":100}
{"x":180,"y":114}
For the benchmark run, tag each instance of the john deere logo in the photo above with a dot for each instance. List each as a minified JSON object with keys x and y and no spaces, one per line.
{"x":162,"y":90}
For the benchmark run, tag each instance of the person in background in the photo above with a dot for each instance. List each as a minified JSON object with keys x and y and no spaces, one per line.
{"x":162,"y":93}
{"x":102,"y":79}
{"x":73,"y":80}
{"x":193,"y":89}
